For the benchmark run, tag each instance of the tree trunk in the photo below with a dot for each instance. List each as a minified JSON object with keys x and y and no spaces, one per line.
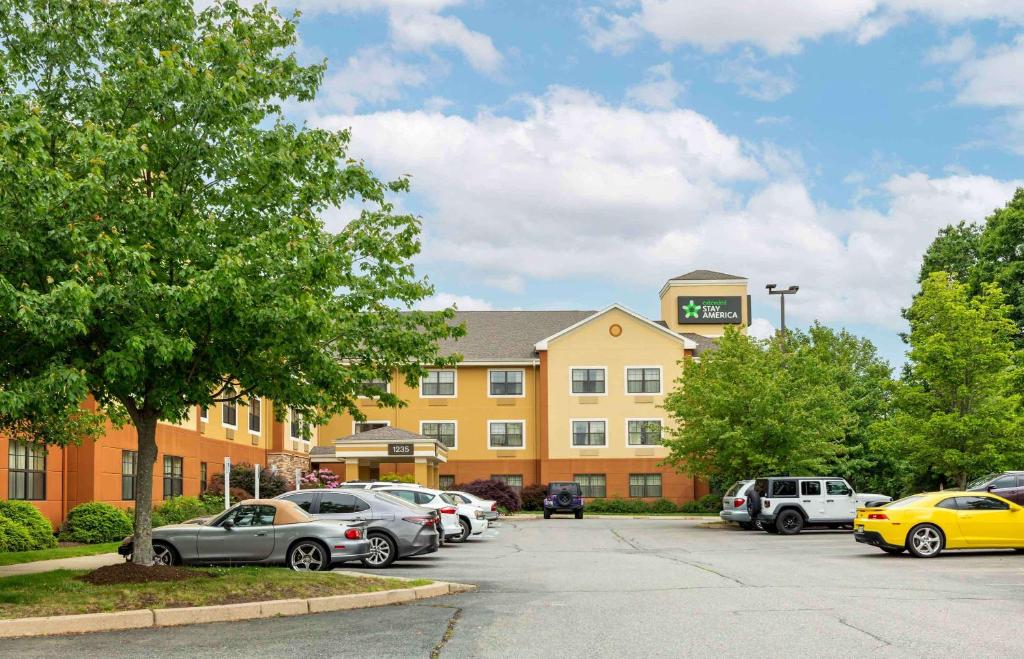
{"x":142,"y":539}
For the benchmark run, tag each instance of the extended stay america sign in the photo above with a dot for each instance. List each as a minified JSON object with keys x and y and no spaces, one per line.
{"x":710,"y":310}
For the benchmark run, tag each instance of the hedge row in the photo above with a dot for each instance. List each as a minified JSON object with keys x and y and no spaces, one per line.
{"x":710,"y":503}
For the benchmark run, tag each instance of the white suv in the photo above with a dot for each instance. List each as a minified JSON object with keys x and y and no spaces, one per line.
{"x":789,"y":503}
{"x":459,"y":520}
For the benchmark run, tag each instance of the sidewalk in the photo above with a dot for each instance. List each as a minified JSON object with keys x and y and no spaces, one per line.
{"x":76,"y":563}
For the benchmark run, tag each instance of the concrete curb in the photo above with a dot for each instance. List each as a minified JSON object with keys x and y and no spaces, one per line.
{"x":521,"y":516}
{"x":106,"y":622}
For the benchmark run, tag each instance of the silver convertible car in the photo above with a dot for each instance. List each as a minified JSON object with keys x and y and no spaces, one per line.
{"x":260,"y":531}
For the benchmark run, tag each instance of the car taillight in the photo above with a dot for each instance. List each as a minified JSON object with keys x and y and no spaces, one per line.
{"x":448,"y":511}
{"x":494,"y":507}
{"x":738,"y":501}
{"x":424,"y":520}
{"x":877,"y":516}
{"x":353,"y":534}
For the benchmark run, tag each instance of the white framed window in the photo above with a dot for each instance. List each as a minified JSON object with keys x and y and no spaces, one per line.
{"x":643,"y":380}
{"x":506,"y":383}
{"x":443,"y":431}
{"x":439,"y":384}
{"x":255,"y":415}
{"x":229,"y":414}
{"x":363,"y":426}
{"x":589,"y":432}
{"x":592,"y":486}
{"x":588,"y":381}
{"x":644,"y":485}
{"x":296,"y":428}
{"x":379,"y":384}
{"x":204,"y":413}
{"x":643,"y":432}
{"x":506,"y":433}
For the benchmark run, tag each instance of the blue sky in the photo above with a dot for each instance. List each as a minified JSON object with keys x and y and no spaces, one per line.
{"x":574,"y":154}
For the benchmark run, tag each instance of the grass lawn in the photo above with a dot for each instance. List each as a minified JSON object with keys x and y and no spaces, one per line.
{"x":15,"y":557}
{"x":61,"y":592}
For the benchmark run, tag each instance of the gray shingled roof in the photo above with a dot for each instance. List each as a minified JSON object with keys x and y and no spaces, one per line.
{"x":385,"y":434}
{"x":507,"y":335}
{"x":321,"y":451}
{"x":703,"y":343}
{"x":704,"y":275}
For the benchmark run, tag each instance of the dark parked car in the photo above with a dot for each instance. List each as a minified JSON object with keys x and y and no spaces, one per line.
{"x":395,"y":528}
{"x":563,"y":498}
{"x":1007,"y":484}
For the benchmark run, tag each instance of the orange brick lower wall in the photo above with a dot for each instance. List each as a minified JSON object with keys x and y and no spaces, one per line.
{"x":674,"y":487}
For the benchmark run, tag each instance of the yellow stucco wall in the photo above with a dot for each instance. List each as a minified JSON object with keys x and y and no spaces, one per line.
{"x":471,"y":409}
{"x":593,"y":345}
{"x":670,"y":314}
{"x":215,"y":429}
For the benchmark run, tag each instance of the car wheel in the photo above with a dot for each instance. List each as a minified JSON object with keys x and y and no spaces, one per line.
{"x":467,"y":530}
{"x":308,"y":556}
{"x":925,"y":541}
{"x":579,"y":514}
{"x":893,"y":550}
{"x":163,"y":554}
{"x":547,"y":514}
{"x":790,"y":522}
{"x":383,"y":552}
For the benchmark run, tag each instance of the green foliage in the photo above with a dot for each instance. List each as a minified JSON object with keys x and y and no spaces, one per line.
{"x":396,"y":478}
{"x":757,"y":408}
{"x":532,"y":497}
{"x":180,"y":509}
{"x":955,"y":251}
{"x":96,"y":522}
{"x":161,"y":235}
{"x":958,"y":408}
{"x":243,"y":477}
{"x":39,"y":529}
{"x":14,"y":536}
{"x":707,"y":504}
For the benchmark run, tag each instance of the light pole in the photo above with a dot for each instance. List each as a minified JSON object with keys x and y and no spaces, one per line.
{"x":783,"y":293}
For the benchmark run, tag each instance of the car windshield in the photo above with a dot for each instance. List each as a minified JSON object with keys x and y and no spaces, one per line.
{"x":978,"y":482}
{"x":732,"y":491}
{"x":904,"y":502}
{"x":447,"y":498}
{"x":393,"y":500}
{"x":555,"y":488}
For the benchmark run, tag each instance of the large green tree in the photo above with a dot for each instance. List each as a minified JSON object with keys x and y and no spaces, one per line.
{"x":958,"y":409}
{"x":161,"y":242}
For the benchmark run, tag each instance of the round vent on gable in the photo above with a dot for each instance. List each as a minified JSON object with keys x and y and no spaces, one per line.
{"x":615,"y":330}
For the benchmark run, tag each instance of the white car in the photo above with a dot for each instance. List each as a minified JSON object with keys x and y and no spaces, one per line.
{"x":489,"y":508}
{"x":459,"y":521}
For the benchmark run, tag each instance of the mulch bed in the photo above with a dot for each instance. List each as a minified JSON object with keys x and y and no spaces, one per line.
{"x":132,"y":573}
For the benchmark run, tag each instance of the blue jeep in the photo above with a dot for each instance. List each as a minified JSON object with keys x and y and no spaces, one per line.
{"x":563,"y":498}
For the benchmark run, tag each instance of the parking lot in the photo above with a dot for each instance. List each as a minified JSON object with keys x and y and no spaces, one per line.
{"x":640,"y":587}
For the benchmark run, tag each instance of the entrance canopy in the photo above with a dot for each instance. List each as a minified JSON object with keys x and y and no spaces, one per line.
{"x":362,"y":454}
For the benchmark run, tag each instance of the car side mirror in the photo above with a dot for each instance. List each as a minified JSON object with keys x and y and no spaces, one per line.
{"x":990,"y":488}
{"x":227,"y":525}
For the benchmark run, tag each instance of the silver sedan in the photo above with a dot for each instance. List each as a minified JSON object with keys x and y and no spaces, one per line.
{"x":259,"y":531}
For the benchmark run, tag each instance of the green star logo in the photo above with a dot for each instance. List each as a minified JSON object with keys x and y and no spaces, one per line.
{"x":692,"y":310}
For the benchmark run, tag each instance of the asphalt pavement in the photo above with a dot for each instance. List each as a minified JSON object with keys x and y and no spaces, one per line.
{"x":638,"y":588}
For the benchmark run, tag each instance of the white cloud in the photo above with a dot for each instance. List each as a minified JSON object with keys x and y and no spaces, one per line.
{"x":775,"y":26}
{"x":955,"y":50}
{"x":761,"y":329}
{"x":772,"y":120}
{"x":658,"y":90}
{"x":753,"y":81}
{"x":461,"y":302}
{"x":994,"y":79}
{"x":420,"y":31}
{"x":370,"y":76}
{"x":575,"y":188}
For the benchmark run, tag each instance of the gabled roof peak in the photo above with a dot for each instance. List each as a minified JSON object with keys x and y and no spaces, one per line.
{"x":706,"y":275}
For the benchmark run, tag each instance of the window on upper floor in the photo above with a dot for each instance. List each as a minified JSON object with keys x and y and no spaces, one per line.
{"x":643,"y":432}
{"x":643,"y":380}
{"x":505,"y":434}
{"x":442,"y":431}
{"x":505,"y":383}
{"x":588,"y":380}
{"x":255,"y":420}
{"x":381,"y":385}
{"x":589,"y":433}
{"x":363,"y":426}
{"x":229,"y":414}
{"x":438,"y":383}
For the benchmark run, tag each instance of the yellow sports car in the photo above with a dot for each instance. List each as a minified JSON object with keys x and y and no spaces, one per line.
{"x":925,"y":524}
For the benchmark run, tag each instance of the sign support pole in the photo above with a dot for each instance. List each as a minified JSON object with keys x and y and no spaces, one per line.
{"x":256,"y":473}
{"x":227,"y":482}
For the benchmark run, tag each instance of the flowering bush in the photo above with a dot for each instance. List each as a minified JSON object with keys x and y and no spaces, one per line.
{"x":243,"y":477}
{"x":320,"y":478}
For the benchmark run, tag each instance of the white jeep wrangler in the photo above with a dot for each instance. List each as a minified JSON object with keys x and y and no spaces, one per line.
{"x":789,"y":503}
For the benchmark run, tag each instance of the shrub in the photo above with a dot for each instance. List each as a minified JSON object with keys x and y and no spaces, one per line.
{"x":14,"y":536}
{"x":243,"y":476}
{"x":216,"y":489}
{"x":178,"y":510}
{"x":96,"y":522}
{"x":212,"y":503}
{"x":495,"y":491}
{"x":395,"y":478}
{"x":533,"y":497}
{"x":34,"y":522}
{"x":321,"y":477}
